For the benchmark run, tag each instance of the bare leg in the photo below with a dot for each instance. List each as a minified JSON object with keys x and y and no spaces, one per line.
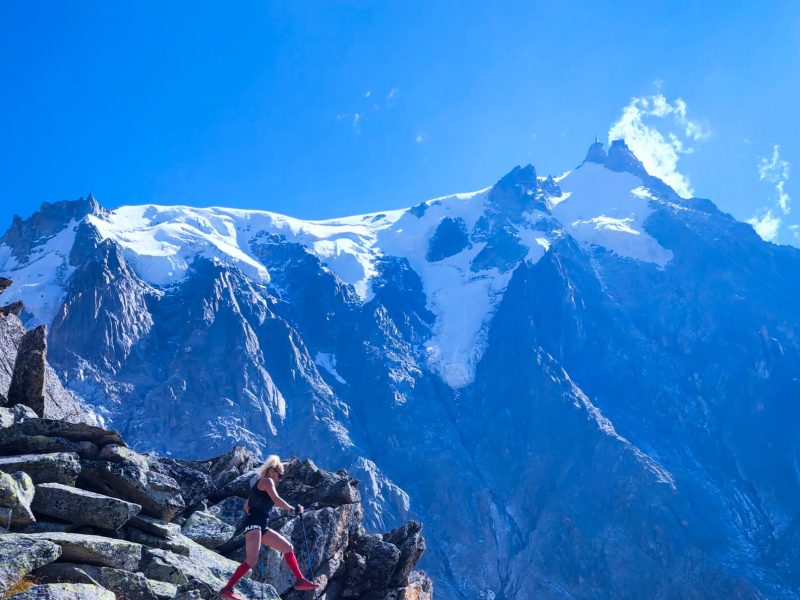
{"x":273,"y":539}
{"x":252,"y":546}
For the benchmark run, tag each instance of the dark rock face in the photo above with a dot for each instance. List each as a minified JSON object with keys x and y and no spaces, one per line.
{"x":112,"y":312}
{"x":451,"y":237}
{"x":27,"y":382}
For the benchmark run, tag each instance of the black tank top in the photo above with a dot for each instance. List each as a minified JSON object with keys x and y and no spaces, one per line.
{"x":259,"y":500}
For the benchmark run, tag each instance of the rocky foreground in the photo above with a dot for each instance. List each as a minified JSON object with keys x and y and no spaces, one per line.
{"x":84,"y":517}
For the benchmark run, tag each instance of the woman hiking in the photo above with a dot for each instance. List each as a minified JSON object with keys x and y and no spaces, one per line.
{"x":263,"y":496}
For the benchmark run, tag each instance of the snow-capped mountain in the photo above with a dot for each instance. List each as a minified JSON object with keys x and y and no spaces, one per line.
{"x":585,"y":385}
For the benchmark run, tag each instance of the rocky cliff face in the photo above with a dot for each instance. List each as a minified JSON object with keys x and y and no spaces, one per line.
{"x":582,"y":385}
{"x":82,"y":516}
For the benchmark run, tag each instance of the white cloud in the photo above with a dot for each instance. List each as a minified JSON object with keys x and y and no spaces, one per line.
{"x":660,"y":152}
{"x":368,"y":93}
{"x":357,"y":122}
{"x":776,"y":170}
{"x":795,"y":229}
{"x":392,"y":93}
{"x":767,"y":226}
{"x":421,"y":137}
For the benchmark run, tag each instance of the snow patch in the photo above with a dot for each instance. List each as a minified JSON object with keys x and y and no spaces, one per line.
{"x":607,"y":208}
{"x":39,"y":282}
{"x":328,"y":362}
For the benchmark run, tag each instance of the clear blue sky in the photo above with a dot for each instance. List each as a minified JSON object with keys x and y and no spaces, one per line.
{"x":254,"y":104}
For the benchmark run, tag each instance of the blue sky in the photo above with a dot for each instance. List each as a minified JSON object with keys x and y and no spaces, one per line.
{"x":325,"y":109}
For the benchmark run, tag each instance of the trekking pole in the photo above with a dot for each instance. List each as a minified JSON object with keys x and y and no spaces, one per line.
{"x":308,"y":554}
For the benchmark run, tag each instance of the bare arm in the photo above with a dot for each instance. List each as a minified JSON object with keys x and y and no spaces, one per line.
{"x":265,"y":484}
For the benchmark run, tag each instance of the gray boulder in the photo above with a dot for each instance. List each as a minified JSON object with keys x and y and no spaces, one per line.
{"x":207,"y":530}
{"x":155,"y":526}
{"x":14,"y":414}
{"x":172,"y":543}
{"x":307,"y":484}
{"x":195,"y":484}
{"x":57,"y":467}
{"x":65,"y":591}
{"x":118,"y":453}
{"x":126,"y":584}
{"x":60,"y":572}
{"x":27,"y":381}
{"x":159,"y":495}
{"x":93,"y":549}
{"x":82,"y":507}
{"x":230,"y":510}
{"x":16,"y":494}
{"x":203,"y":570}
{"x":19,"y":555}
{"x":329,"y":532}
{"x":56,"y":428}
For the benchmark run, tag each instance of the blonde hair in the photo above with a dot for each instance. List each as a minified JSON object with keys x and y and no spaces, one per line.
{"x":273,"y":462}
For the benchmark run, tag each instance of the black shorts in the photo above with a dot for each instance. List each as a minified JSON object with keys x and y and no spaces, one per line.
{"x":256,"y":520}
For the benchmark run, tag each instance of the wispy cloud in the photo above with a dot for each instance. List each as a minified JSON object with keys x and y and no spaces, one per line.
{"x":369,"y":104}
{"x":767,"y":225}
{"x":659,"y":145}
{"x":776,"y":170}
{"x":421,"y":138}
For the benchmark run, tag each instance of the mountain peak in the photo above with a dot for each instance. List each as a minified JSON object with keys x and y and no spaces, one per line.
{"x":24,"y":234}
{"x":621,"y":158}
{"x":596,"y":153}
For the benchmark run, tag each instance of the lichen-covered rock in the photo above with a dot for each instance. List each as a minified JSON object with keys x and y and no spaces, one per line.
{"x":203,"y":570}
{"x":16,"y":494}
{"x":159,"y":495}
{"x":58,"y":467}
{"x":118,"y":453}
{"x":129,"y":585}
{"x":207,"y":530}
{"x":82,"y":507}
{"x":155,"y":526}
{"x":65,"y":591}
{"x":93,"y":549}
{"x":57,"y":428}
{"x":171,"y":543}
{"x":19,"y":555}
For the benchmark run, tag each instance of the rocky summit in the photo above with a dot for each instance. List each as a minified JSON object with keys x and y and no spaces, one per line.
{"x":584,"y":385}
{"x":85,"y":517}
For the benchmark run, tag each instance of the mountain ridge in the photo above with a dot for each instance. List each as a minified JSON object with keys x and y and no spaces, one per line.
{"x":584,"y":369}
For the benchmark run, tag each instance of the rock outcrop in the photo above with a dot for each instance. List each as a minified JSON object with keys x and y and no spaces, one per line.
{"x":91,"y":519}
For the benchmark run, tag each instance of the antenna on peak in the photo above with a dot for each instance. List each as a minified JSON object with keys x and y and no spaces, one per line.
{"x":596,"y":139}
